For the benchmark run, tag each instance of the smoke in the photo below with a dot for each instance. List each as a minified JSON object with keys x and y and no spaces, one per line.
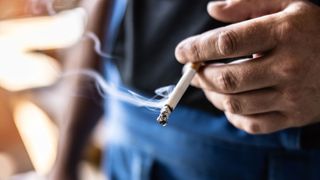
{"x":97,"y":45}
{"x":107,"y":89}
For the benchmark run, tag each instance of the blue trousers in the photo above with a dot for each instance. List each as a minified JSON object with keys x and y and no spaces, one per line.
{"x":138,"y":148}
{"x":197,"y":145}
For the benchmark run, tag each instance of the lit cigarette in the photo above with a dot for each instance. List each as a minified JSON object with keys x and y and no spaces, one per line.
{"x":176,"y":95}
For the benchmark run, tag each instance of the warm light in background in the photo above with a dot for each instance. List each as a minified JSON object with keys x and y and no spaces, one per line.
{"x":7,"y":165}
{"x":39,"y":135}
{"x":22,"y":70}
{"x":19,"y":67}
{"x":49,"y":32}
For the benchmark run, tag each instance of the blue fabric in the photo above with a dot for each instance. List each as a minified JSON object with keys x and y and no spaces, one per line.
{"x":117,"y":14}
{"x":139,"y":148}
{"x":196,"y":145}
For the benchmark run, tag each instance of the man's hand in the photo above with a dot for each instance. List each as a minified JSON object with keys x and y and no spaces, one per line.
{"x":280,"y":87}
{"x":240,"y":10}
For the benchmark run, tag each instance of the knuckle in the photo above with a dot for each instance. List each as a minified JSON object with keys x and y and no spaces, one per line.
{"x":289,"y":68}
{"x":232,"y":105}
{"x":227,"y":43}
{"x":283,"y":31}
{"x":291,"y":95}
{"x":195,"y":50}
{"x":226,"y":82}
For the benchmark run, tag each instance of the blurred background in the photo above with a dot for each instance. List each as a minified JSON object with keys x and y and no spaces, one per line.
{"x":33,"y":103}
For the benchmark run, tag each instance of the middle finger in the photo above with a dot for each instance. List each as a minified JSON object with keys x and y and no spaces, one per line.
{"x":253,"y":102}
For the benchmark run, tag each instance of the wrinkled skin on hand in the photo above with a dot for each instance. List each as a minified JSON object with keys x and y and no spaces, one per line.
{"x":280,"y":87}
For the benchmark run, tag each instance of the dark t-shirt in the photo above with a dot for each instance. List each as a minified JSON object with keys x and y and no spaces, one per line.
{"x":149,"y":35}
{"x":146,"y":42}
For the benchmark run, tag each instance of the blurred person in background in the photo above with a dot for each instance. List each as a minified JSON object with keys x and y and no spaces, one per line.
{"x":13,"y":155}
{"x":258,"y":119}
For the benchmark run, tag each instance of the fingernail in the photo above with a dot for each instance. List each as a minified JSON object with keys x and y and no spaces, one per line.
{"x":213,"y":5}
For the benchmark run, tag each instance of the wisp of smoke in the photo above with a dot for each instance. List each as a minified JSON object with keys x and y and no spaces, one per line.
{"x":97,"y":45}
{"x":106,"y":88}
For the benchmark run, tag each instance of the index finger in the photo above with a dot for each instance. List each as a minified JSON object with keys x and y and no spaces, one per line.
{"x":241,"y":39}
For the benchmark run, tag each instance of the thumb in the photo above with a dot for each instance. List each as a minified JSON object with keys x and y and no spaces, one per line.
{"x":239,"y":10}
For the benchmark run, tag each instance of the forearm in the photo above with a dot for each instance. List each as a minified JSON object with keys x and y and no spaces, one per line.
{"x":85,"y":109}
{"x":76,"y":130}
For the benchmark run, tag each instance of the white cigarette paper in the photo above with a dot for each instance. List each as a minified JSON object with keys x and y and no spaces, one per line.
{"x":182,"y":85}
